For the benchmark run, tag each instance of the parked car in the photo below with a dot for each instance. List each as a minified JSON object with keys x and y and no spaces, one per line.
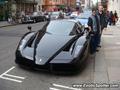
{"x":74,"y":14}
{"x":83,"y":18}
{"x":61,"y":45}
{"x":35,"y":17}
{"x":56,"y":15}
{"x":27,"y":19}
{"x":47,"y":15}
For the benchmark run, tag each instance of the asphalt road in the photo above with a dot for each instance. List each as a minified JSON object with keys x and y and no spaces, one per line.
{"x":13,"y":77}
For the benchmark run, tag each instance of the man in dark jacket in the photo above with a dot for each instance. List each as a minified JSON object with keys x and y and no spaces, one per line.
{"x":93,"y":27}
{"x":103,"y":23}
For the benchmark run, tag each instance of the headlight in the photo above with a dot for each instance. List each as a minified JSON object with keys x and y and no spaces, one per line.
{"x":47,"y":16}
{"x":56,"y":17}
{"x":22,"y":44}
{"x":77,"y":50}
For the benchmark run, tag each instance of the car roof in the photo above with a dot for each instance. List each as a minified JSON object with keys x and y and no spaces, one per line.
{"x":69,"y":20}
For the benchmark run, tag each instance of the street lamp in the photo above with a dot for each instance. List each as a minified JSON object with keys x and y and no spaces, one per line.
{"x":33,"y":5}
{"x":6,"y":10}
{"x":6,"y":5}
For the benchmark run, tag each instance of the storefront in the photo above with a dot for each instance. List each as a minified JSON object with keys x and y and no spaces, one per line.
{"x":3,"y":10}
{"x":28,"y":6}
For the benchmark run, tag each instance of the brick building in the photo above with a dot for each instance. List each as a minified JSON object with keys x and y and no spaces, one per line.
{"x":52,"y":5}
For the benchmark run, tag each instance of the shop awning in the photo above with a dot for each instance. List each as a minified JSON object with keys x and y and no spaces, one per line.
{"x":61,"y":6}
{"x":26,"y":1}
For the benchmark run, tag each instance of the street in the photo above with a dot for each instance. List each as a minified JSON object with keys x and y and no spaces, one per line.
{"x":104,"y":67}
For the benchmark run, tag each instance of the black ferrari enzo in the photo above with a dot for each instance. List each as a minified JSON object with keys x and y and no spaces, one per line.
{"x":61,"y":45}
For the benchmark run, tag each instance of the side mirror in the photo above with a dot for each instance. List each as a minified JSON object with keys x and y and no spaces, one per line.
{"x":29,"y":28}
{"x":80,"y":34}
{"x":86,"y":30}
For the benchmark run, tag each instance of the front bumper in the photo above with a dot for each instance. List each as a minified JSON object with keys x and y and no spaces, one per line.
{"x":52,"y":67}
{"x":27,"y":21}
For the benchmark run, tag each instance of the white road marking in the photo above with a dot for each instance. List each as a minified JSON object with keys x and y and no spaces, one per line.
{"x":54,"y":88}
{"x":65,"y":87}
{"x":7,"y":71}
{"x":10,"y":77}
{"x":14,"y":76}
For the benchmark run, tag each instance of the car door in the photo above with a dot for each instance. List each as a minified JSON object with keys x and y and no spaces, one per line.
{"x":80,"y":29}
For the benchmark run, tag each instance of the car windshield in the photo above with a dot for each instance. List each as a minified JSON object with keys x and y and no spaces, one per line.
{"x":60,"y":27}
{"x":75,"y":13}
{"x":55,"y":13}
{"x":35,"y":13}
{"x":84,"y":15}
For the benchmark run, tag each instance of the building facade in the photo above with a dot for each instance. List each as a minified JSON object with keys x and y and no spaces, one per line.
{"x":88,"y":4}
{"x":3,"y":9}
{"x":39,"y":5}
{"x":27,"y":6}
{"x":105,"y":4}
{"x":114,"y":5}
{"x":13,"y":6}
{"x":52,"y":5}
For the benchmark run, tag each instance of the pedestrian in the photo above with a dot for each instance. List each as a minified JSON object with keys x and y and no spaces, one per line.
{"x":111,"y":18}
{"x":115,"y":18}
{"x":22,"y":14}
{"x":9,"y":18}
{"x":61,"y":15}
{"x":107,"y":17}
{"x":93,"y":27}
{"x":18,"y":15}
{"x":103,"y":23}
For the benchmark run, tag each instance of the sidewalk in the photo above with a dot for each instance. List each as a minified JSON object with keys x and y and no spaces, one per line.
{"x":107,"y":60}
{"x":5,"y":23}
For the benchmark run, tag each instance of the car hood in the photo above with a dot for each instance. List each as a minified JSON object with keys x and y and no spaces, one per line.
{"x":49,"y":44}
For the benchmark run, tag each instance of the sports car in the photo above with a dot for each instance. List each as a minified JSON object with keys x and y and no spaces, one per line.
{"x":61,"y":45}
{"x":83,"y":18}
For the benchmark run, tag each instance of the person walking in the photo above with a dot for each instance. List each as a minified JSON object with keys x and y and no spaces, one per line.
{"x":107,"y":16}
{"x":61,"y":15}
{"x":115,"y":18}
{"x":111,"y":18}
{"x":103,"y":23}
{"x":93,"y":27}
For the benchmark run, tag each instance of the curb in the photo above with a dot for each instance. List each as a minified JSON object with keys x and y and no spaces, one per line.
{"x":9,"y":25}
